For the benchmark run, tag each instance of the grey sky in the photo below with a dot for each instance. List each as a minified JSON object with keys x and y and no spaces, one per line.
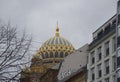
{"x":77,"y":19}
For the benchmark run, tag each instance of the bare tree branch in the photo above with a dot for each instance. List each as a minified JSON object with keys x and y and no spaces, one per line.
{"x":13,"y":49}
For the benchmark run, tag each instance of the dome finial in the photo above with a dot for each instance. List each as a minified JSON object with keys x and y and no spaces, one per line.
{"x":57,"y":30}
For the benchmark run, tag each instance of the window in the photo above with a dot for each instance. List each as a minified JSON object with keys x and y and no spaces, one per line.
{"x":100,"y":34}
{"x":66,"y":54}
{"x":114,"y":78}
{"x":46,"y":55}
{"x":61,"y":54}
{"x":114,"y":24}
{"x":119,"y":19}
{"x":107,"y":80}
{"x":118,"y":79}
{"x":99,"y":54}
{"x":99,"y":71}
{"x":107,"y":29}
{"x":114,"y":44}
{"x":118,"y":41}
{"x":118,"y":61}
{"x":114,"y":63}
{"x":107,"y":48}
{"x":51,"y":54}
{"x":56,"y":54}
{"x":93,"y":57}
{"x":118,"y":76}
{"x":93,"y":74}
{"x":107,"y":66}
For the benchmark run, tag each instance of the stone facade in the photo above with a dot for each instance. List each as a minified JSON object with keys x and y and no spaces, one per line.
{"x":80,"y":76}
{"x":102,"y":51}
{"x":49,"y":76}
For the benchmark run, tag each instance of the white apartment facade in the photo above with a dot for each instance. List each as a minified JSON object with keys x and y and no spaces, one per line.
{"x":118,"y":43}
{"x":102,"y":52}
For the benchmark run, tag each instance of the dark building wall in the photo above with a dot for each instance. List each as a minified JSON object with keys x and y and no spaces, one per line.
{"x":80,"y":77}
{"x":49,"y":76}
{"x":24,"y":79}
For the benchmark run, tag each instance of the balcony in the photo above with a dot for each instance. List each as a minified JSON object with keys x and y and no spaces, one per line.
{"x":109,"y":30}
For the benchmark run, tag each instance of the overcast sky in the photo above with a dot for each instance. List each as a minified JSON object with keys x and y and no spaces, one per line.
{"x":77,"y":19}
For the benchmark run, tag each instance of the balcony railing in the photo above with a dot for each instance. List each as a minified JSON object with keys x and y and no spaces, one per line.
{"x":112,"y":28}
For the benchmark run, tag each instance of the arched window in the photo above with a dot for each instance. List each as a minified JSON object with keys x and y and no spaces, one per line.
{"x":56,"y":54}
{"x":61,"y":54}
{"x":66,"y":54}
{"x":51,"y":54}
{"x":46,"y":55}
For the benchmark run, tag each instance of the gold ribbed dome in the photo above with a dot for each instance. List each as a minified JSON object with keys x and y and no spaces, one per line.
{"x":55,"y":49}
{"x":51,"y":52}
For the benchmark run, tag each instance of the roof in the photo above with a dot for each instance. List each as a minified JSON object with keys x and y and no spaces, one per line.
{"x":57,"y":66}
{"x":105,"y":23}
{"x":75,"y":73}
{"x":74,"y":62}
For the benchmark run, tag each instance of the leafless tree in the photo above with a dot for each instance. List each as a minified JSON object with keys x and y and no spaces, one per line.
{"x":13,"y":52}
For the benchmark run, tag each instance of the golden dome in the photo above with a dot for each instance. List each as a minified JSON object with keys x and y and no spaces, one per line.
{"x":55,"y":49}
{"x":51,"y":52}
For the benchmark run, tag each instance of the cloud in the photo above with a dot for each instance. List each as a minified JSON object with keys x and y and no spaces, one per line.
{"x":77,"y":18}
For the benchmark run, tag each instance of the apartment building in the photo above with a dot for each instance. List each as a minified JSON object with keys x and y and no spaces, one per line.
{"x":118,"y":43}
{"x":101,"y":64}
